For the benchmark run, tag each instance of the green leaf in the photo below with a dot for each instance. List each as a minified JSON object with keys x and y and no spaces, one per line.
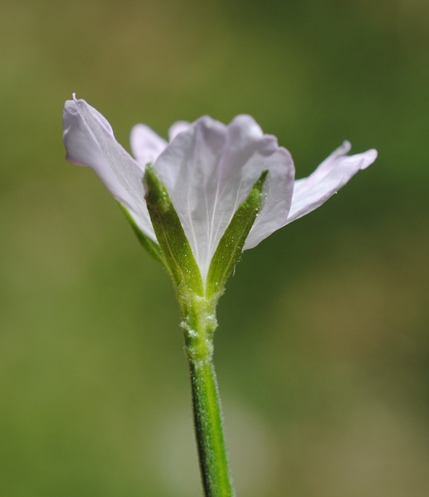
{"x":174,"y":245}
{"x":231,"y":244}
{"x":148,"y":244}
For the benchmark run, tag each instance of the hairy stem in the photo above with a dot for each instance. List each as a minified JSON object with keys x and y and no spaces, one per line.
{"x":199,"y":324}
{"x":209,"y":431}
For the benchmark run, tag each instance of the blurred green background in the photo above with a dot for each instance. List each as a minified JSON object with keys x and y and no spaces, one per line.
{"x":323,"y":346}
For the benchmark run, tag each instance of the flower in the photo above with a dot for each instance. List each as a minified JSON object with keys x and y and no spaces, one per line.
{"x":208,"y":169}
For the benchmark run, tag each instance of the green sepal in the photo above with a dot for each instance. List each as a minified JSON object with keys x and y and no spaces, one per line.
{"x":231,"y":244}
{"x":151,"y":247}
{"x":174,"y":245}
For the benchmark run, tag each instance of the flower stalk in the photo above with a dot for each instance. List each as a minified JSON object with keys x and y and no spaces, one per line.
{"x":199,"y":324}
{"x":212,"y":452}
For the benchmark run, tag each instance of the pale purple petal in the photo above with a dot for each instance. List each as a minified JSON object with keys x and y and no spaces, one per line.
{"x":278,"y":191}
{"x":210,"y":168}
{"x":146,"y":145}
{"x":177,"y":128}
{"x":89,"y":141}
{"x":334,"y":172}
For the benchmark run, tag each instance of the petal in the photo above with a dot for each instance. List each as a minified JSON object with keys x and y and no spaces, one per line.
{"x":334,"y":172}
{"x":89,"y":141}
{"x":177,"y":128}
{"x":278,"y":191}
{"x":209,"y":170}
{"x":146,"y":145}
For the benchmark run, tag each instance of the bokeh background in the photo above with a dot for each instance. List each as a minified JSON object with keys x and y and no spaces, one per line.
{"x":323,"y":346}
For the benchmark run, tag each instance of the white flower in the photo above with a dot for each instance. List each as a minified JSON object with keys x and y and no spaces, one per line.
{"x":208,"y":169}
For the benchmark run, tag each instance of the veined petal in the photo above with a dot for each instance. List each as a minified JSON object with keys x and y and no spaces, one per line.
{"x":146,"y":145}
{"x":209,"y":170}
{"x":89,"y":141}
{"x":278,"y":190}
{"x":332,"y":174}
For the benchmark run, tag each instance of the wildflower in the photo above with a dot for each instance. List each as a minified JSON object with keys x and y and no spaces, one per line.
{"x":196,"y":203}
{"x":208,"y":169}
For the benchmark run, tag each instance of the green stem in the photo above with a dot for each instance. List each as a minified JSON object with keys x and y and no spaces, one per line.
{"x":199,"y":325}
{"x":209,"y":431}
